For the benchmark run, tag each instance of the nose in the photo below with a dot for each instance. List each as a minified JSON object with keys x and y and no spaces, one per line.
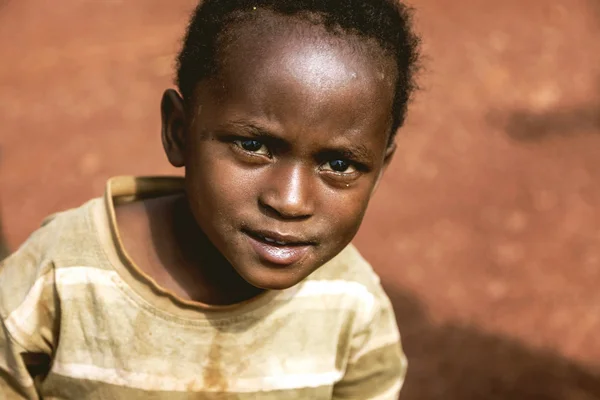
{"x":288,"y":193}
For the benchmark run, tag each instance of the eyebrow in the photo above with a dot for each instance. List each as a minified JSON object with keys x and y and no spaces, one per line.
{"x":255,"y":130}
{"x":353,"y":151}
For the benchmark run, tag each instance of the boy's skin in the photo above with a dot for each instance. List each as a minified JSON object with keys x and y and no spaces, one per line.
{"x":319,"y":98}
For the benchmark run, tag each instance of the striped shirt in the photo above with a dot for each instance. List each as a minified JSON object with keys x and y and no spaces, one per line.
{"x":80,"y":321}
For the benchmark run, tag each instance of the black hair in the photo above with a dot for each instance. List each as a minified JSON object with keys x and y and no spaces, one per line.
{"x":388,"y":22}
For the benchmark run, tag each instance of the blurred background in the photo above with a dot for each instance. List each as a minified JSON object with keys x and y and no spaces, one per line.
{"x":485,"y":230}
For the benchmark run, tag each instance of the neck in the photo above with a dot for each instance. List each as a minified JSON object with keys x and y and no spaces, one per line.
{"x":202,"y":271}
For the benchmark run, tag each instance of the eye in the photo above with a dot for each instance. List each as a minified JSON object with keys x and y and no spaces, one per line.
{"x":252,"y":146}
{"x":339,"y":166}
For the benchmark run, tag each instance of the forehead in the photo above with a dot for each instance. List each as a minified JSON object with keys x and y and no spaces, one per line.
{"x":269,"y":37}
{"x":296,"y":72}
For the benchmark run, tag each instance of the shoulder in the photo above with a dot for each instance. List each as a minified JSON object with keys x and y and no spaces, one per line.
{"x":28,"y":277}
{"x":64,"y":237}
{"x":349,"y":268}
{"x":351,"y":280}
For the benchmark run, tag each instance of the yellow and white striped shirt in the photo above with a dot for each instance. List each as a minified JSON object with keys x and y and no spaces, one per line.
{"x":80,"y":321}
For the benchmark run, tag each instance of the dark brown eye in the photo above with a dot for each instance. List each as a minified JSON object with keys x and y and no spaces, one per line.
{"x":339,"y":165}
{"x":252,"y":146}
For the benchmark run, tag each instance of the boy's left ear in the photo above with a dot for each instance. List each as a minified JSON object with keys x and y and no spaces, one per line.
{"x":389,"y":153}
{"x":387,"y":158}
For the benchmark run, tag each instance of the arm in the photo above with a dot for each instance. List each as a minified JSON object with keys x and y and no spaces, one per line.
{"x":27,"y":321}
{"x":376,"y":365}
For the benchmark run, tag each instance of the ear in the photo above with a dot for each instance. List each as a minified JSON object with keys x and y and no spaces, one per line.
{"x":389,"y":154}
{"x":387,"y":158}
{"x":173,"y":123}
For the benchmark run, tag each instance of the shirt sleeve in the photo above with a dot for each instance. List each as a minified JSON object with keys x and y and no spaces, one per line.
{"x":28,"y":328}
{"x":376,"y":365}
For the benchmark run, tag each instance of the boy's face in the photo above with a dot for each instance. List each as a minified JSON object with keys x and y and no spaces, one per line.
{"x":284,"y":148}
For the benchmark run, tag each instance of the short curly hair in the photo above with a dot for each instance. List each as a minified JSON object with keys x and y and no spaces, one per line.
{"x":388,"y":22}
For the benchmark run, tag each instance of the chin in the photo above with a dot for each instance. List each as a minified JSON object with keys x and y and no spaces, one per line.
{"x":273,"y":278}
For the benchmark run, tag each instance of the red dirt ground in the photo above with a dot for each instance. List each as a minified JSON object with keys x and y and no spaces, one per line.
{"x":486,"y":229}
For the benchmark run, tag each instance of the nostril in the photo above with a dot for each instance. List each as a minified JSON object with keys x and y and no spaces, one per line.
{"x":283,"y":212}
{"x":288,"y":193}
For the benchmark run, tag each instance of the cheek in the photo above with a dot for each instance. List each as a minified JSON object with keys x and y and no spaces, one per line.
{"x":216,"y":188}
{"x":345,"y":212}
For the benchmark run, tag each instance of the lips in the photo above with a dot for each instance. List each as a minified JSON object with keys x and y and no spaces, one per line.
{"x":279,"y":249}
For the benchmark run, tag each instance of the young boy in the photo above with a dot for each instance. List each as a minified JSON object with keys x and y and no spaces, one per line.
{"x":237,"y":281}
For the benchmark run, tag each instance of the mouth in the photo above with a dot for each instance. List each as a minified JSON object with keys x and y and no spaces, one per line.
{"x":279,"y":249}
{"x":278,"y":239}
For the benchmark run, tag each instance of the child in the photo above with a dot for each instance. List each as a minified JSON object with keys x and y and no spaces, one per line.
{"x":237,"y":281}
